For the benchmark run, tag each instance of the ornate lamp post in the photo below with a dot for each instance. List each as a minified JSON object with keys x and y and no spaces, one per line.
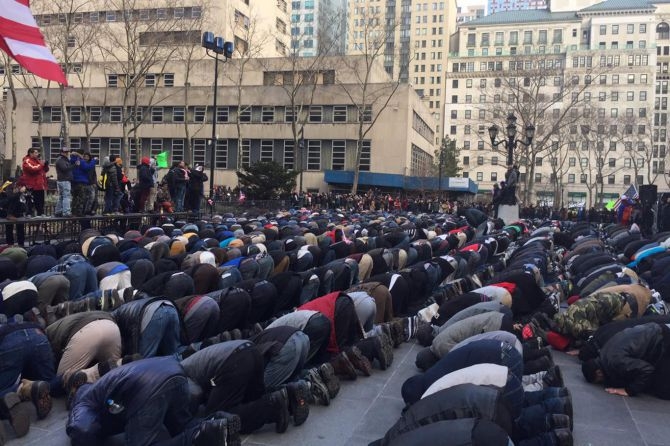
{"x":511,"y":142}
{"x":218,"y":46}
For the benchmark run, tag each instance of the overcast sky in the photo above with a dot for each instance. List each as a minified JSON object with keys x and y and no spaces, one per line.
{"x":470,"y":2}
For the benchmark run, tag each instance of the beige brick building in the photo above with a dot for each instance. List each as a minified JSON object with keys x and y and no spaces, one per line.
{"x":591,"y":80}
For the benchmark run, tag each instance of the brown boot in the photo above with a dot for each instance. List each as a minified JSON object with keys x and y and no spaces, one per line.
{"x":343,"y":367}
{"x":17,"y":412}
{"x":39,"y":393}
{"x":360,"y":362}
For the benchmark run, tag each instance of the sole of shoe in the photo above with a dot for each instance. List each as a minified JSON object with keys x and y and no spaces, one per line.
{"x":329,"y":378}
{"x":41,"y":397}
{"x":318,"y":389}
{"x":75,"y":382}
{"x":360,"y":362}
{"x":386,"y":352}
{"x":282,"y":422}
{"x":234,"y":425}
{"x":19,"y":413}
{"x":298,"y":394}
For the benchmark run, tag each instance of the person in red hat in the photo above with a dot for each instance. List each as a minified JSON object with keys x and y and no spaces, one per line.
{"x":145,"y":181}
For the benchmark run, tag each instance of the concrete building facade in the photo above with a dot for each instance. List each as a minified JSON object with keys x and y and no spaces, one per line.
{"x":590,"y":80}
{"x":416,"y":43}
{"x":318,"y":27}
{"x":514,"y":5}
{"x":161,"y":100}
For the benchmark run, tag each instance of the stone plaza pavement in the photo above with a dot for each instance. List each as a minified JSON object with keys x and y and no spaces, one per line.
{"x":366,"y":408}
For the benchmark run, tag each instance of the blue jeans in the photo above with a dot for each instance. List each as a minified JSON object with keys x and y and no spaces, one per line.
{"x":83,"y":279}
{"x":180,"y":188}
{"x":27,"y":354}
{"x":288,"y":361}
{"x":112,"y":200}
{"x":64,"y":197}
{"x":161,"y":335}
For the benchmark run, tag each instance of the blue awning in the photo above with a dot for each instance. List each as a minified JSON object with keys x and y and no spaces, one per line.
{"x":400,"y":181}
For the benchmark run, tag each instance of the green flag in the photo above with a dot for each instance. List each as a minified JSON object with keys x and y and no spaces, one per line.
{"x":162,"y":160}
{"x":610,"y":205}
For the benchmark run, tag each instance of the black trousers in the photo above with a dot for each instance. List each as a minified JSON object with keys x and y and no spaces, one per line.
{"x":20,"y":234}
{"x":37,"y":201}
{"x":318,"y":332}
{"x":347,"y":326}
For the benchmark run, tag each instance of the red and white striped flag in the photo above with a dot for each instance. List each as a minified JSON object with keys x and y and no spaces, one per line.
{"x":20,"y":37}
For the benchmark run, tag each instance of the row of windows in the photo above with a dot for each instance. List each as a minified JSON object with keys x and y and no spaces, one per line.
{"x":203,"y":114}
{"x":194,"y":12}
{"x":115,"y":80}
{"x":513,"y":38}
{"x":658,"y":150}
{"x":583,"y":178}
{"x":572,"y":161}
{"x":630,"y":29}
{"x":252,"y":150}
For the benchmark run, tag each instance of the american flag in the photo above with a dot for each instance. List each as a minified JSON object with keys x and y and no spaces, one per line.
{"x":631,"y":193}
{"x":20,"y":38}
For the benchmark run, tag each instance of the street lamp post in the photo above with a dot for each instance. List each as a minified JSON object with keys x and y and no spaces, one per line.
{"x":441,"y":164}
{"x":218,"y":46}
{"x":301,"y":151}
{"x":511,"y":142}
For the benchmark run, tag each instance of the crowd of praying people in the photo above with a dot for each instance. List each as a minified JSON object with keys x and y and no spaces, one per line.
{"x":203,"y":332}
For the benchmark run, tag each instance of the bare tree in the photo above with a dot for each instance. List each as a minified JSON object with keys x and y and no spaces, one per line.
{"x":137,"y":47}
{"x":299,"y":78}
{"x":251,"y":41}
{"x":367,"y":94}
{"x":538,"y":91}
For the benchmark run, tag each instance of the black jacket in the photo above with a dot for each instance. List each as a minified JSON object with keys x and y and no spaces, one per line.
{"x":130,"y":386}
{"x":145,"y":177}
{"x":64,"y":168}
{"x":129,"y":319}
{"x":629,"y":358}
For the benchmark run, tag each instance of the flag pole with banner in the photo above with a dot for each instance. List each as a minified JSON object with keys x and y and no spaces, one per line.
{"x":22,"y":40}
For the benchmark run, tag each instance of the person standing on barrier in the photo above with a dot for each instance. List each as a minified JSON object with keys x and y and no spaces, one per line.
{"x":64,"y":177}
{"x":145,"y":177}
{"x":35,"y":179}
{"x":111,"y":184}
{"x":80,"y":183}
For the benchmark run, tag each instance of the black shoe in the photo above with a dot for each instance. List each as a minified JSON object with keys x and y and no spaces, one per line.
{"x":567,"y":408}
{"x":211,"y":433}
{"x":318,"y":389}
{"x":279,"y":402}
{"x":343,"y":366}
{"x":563,"y":437}
{"x":329,"y":378}
{"x":425,"y":335}
{"x":17,"y":412}
{"x":383,"y":351}
{"x":76,"y":380}
{"x":558,"y":421}
{"x":553,"y":378}
{"x":298,"y":393}
{"x":233,"y":426}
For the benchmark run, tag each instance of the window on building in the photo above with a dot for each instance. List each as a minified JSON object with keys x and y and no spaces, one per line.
{"x":245,"y":114}
{"x":156,"y":114}
{"x":199,"y":146}
{"x":314,"y":154}
{"x":168,"y":79}
{"x":115,"y":114}
{"x":178,"y":114}
{"x":340,"y":113}
{"x":268,"y":114}
{"x":199,"y":114}
{"x":267,"y":150}
{"x":315,"y":115}
{"x":289,"y":156}
{"x":222,"y":114}
{"x":75,"y":114}
{"x":338,"y":155}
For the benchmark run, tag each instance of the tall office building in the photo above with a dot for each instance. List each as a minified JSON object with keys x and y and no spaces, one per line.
{"x":471,"y":12}
{"x":593,"y":81}
{"x":318,"y":27}
{"x":515,"y":5}
{"x":416,"y":42}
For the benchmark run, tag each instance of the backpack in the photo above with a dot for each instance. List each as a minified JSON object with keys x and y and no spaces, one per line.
{"x":102,"y":181}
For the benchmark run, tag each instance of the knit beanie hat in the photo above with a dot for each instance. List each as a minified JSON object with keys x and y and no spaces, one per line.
{"x":39,"y":264}
{"x":18,"y":297}
{"x":179,"y":285}
{"x":206,"y":278}
{"x":103,"y":254}
{"x":15,"y":254}
{"x":48,"y":250}
{"x":159,"y":251}
{"x":177,"y":247}
{"x":8,"y":269}
{"x":140,"y":271}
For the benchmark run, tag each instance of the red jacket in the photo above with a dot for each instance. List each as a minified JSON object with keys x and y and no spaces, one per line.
{"x":326,"y":306}
{"x":34,"y":173}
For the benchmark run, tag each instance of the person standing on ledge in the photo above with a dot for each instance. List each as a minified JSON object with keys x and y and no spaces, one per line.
{"x":64,"y":168}
{"x":35,"y":179}
{"x":145,"y":177}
